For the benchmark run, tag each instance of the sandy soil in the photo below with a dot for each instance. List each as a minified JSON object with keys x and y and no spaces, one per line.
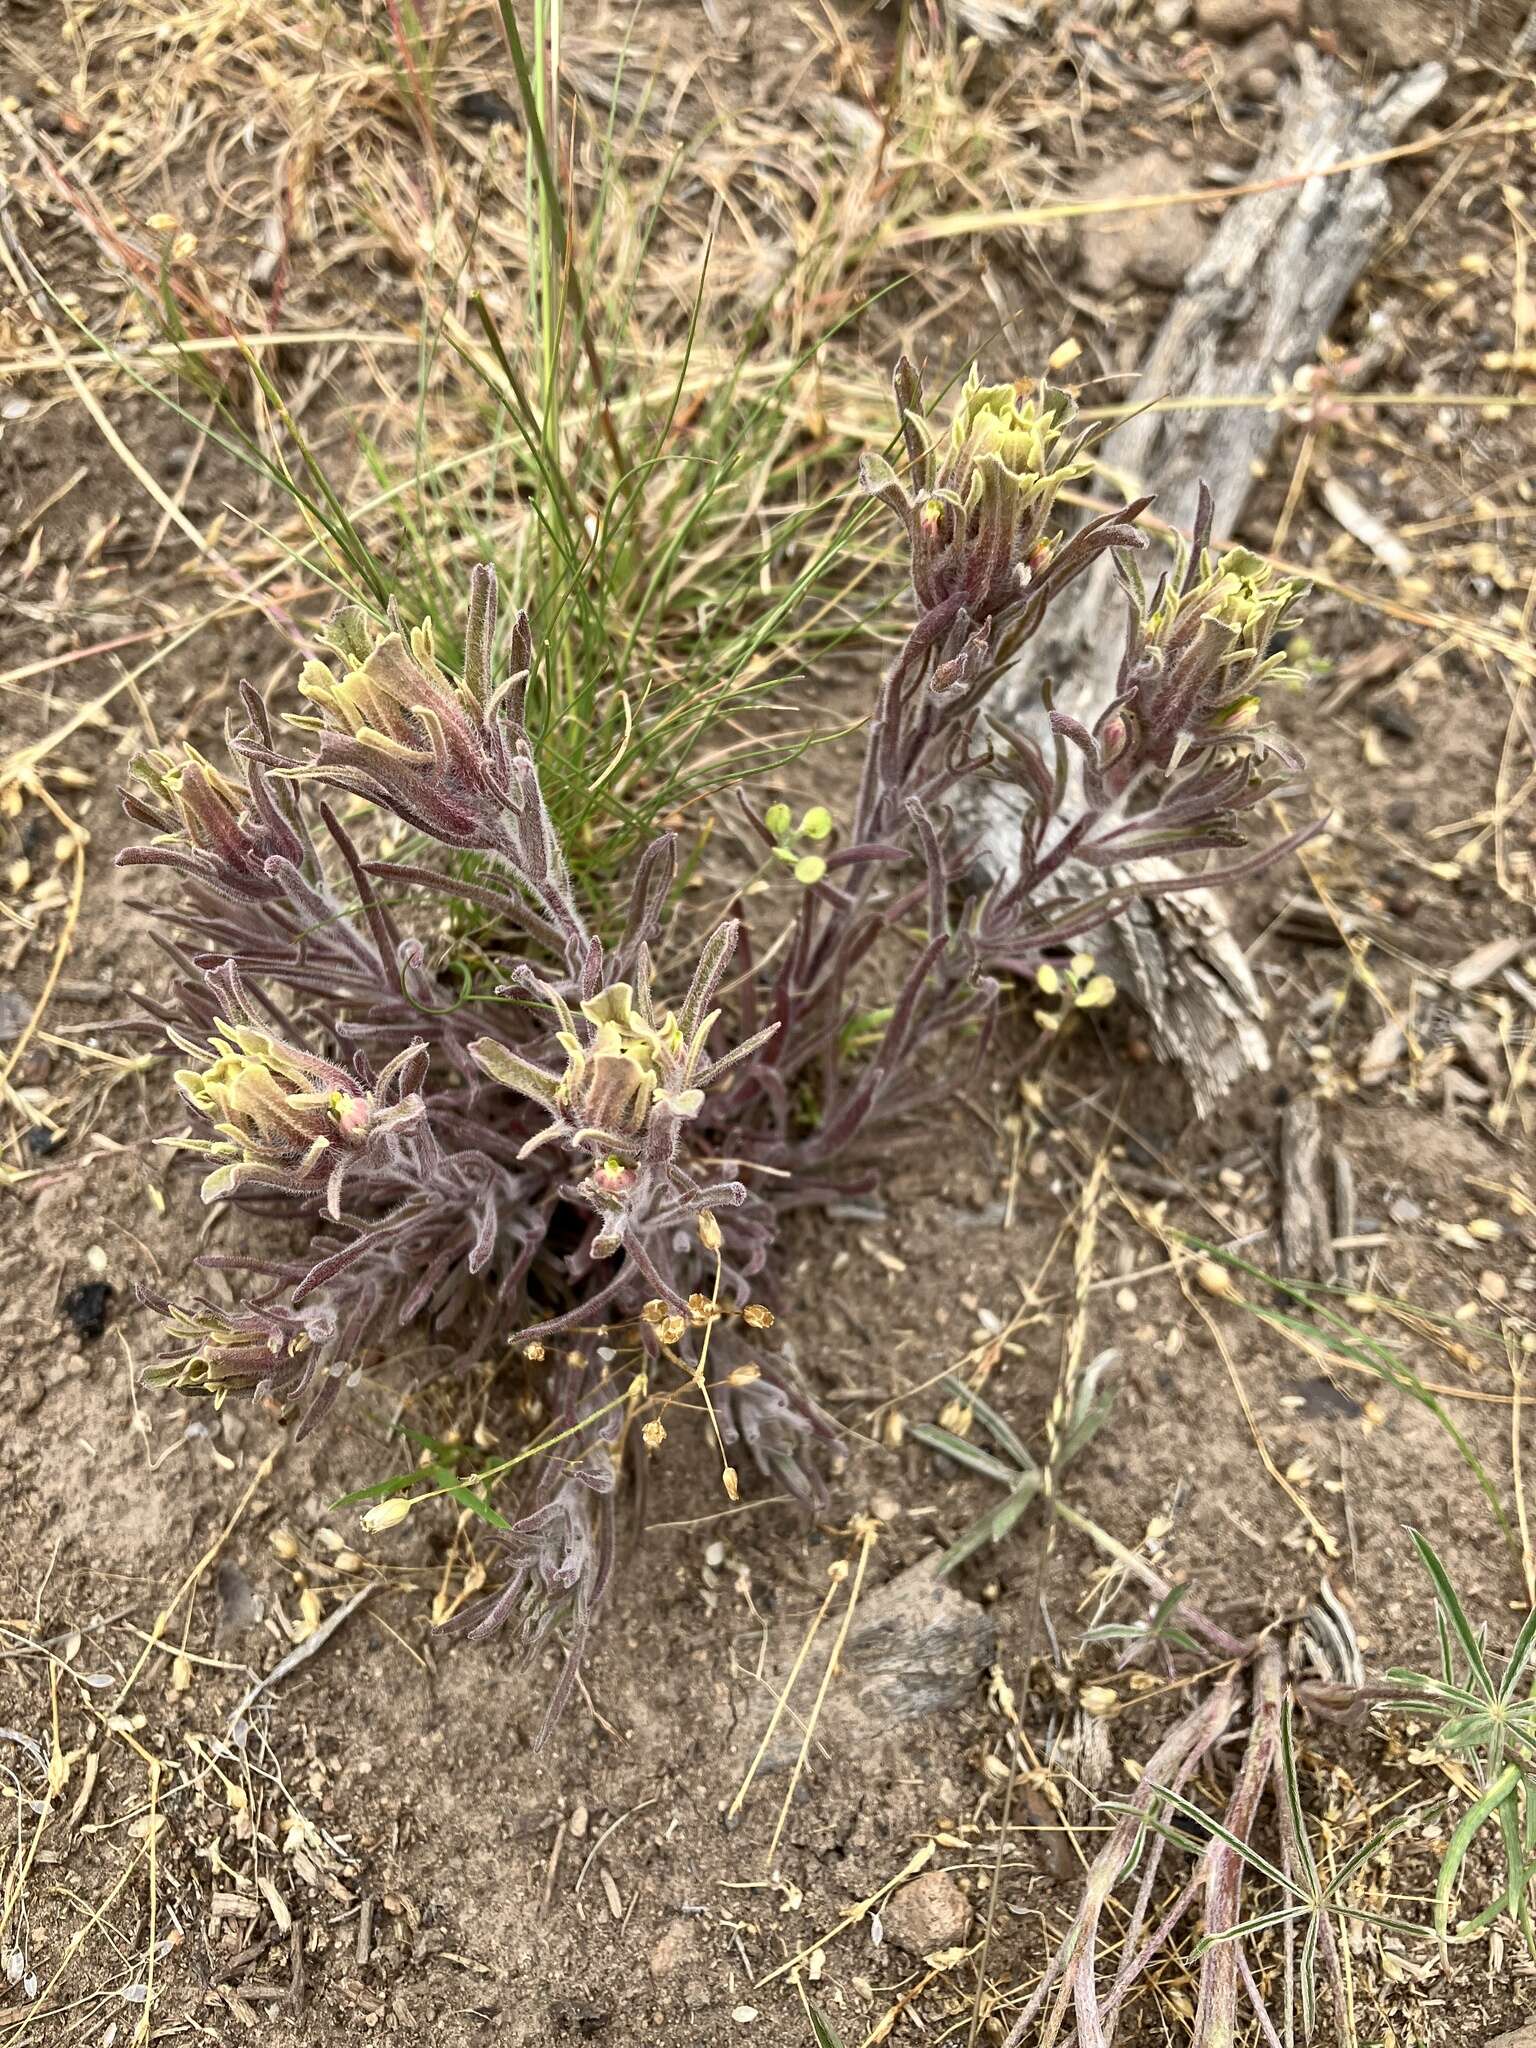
{"x":375,"y":1844}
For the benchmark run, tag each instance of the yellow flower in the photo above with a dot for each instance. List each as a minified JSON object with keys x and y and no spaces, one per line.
{"x":200,"y":796}
{"x":216,"y":1351}
{"x":386,"y":703}
{"x":631,"y":1061}
{"x":1020,"y":426}
{"x":283,"y":1117}
{"x":262,"y":1097}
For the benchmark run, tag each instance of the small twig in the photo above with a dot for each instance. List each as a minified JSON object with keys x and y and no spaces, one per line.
{"x":142,"y":2031}
{"x":836,"y":1576}
{"x":611,"y":1829}
{"x":164,"y":1618}
{"x":301,"y":1653}
{"x":552,"y":1867}
{"x":869,"y":1532}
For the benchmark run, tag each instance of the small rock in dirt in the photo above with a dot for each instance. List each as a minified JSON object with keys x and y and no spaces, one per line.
{"x":69,"y":1365}
{"x":238,"y":1605}
{"x":1153,"y":249}
{"x":1233,"y":21}
{"x":87,"y":1307}
{"x":916,"y":1645}
{"x":1392,"y":33}
{"x":1168,"y":15}
{"x":676,"y":1947}
{"x":929,"y":1913}
{"x":1258,"y":67}
{"x":1522,"y":2037}
{"x":485,"y":109}
{"x":41,"y":1142}
{"x":29,"y":1390}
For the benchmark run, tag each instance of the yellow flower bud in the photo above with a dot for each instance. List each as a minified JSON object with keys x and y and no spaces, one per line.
{"x":387,"y":1514}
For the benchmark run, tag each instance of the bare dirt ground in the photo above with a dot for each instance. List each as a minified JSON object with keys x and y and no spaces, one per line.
{"x":374,"y":1845}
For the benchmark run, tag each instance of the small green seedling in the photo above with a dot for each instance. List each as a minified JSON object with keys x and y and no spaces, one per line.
{"x":1309,"y":1894}
{"x":1015,"y":1468}
{"x":1487,"y":1720}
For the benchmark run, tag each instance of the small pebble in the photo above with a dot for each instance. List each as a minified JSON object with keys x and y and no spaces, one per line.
{"x":928,"y":1914}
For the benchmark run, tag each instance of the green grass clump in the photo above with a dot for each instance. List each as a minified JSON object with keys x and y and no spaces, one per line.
{"x":667,"y":502}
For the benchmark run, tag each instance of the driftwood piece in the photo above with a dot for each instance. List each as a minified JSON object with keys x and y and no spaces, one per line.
{"x":1306,"y":1225}
{"x":1342,"y":1174}
{"x":1252,"y":310}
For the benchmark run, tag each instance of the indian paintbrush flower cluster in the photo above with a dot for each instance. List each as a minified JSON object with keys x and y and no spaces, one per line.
{"x":549,"y":1153}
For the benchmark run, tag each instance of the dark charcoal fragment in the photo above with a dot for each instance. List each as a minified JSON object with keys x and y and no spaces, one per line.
{"x":86,"y":1308}
{"x":1322,"y":1401}
{"x":1393,"y":720}
{"x":485,"y":109}
{"x":40,"y":1142}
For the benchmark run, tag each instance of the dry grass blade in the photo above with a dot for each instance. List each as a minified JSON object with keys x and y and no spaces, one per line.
{"x":368,"y":307}
{"x":985,"y":221}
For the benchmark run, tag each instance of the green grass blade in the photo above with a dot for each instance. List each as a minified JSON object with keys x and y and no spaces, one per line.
{"x":1301,"y":1840}
{"x":990,"y":1528}
{"x":1519,"y":1657}
{"x":994,"y":1424}
{"x":1465,"y":1834}
{"x":936,"y":1438}
{"x":1450,"y":1605}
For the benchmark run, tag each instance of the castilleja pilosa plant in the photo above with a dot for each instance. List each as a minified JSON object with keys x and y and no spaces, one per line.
{"x":593,"y":1149}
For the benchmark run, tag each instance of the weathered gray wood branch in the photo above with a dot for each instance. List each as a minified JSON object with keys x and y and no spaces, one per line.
{"x":1306,"y":1218}
{"x":1252,"y":310}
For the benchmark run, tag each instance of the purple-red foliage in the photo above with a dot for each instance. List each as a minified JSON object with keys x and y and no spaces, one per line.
{"x":568,"y":1151}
